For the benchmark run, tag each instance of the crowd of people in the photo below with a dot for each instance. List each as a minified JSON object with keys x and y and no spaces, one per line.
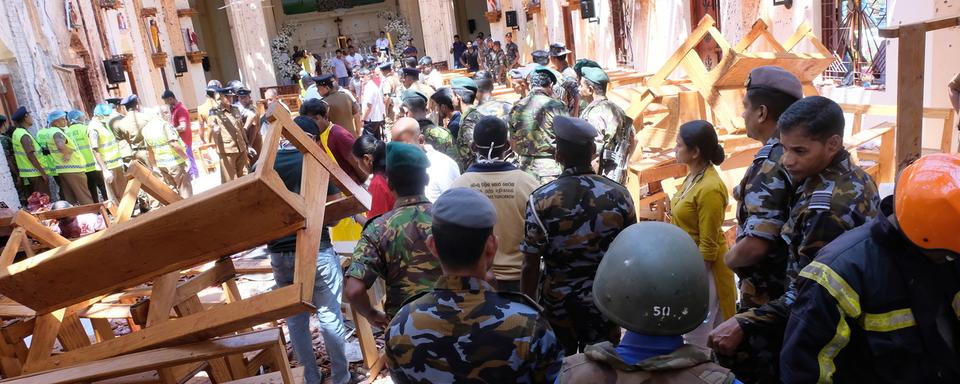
{"x":511,"y":251}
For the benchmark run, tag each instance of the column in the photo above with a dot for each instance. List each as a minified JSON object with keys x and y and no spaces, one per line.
{"x":252,"y":45}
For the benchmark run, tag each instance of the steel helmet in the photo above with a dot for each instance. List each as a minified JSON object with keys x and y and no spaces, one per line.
{"x":652,"y":281}
{"x":234,"y":85}
{"x":927,"y":202}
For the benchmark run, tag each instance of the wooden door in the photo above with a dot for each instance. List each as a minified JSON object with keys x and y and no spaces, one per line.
{"x":708,"y":49}
{"x":568,"y":33}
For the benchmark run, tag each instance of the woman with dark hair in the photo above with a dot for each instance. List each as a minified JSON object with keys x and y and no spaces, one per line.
{"x":698,"y":208}
{"x":371,"y":155}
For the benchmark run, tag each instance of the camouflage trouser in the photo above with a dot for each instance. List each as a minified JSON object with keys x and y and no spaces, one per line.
{"x":545,"y":169}
{"x":757,"y":359}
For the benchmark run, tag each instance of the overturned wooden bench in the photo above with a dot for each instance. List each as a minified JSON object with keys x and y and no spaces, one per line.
{"x":272,"y":354}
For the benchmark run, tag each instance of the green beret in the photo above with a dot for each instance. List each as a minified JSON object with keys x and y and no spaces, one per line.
{"x":582,"y":63}
{"x":405,"y":155}
{"x":542,"y":69}
{"x":595,"y":75}
{"x":463,"y":83}
{"x":412,"y":94}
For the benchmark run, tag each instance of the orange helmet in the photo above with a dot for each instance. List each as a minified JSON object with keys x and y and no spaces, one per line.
{"x":927,"y":202}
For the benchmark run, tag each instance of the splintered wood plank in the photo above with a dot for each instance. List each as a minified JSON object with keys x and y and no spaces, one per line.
{"x":910,"y":93}
{"x":12,"y":247}
{"x":314,"y":186}
{"x":72,"y":335}
{"x":155,"y":359}
{"x":231,"y":218}
{"x":44,"y":334}
{"x":128,"y":201}
{"x":102,"y":329}
{"x":162,"y":298}
{"x":271,"y":378}
{"x":152,"y":185}
{"x":213,"y":322}
{"x":38,"y":231}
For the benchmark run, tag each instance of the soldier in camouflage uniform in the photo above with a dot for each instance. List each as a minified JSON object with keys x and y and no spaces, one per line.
{"x":415,"y":103}
{"x":566,"y":89}
{"x":760,"y":255}
{"x":512,"y":55}
{"x":615,"y":130}
{"x":531,"y":126}
{"x":487,"y":106}
{"x":833,"y":196}
{"x":393,"y":245}
{"x":502,"y":336}
{"x":569,"y":224}
{"x":496,"y":63}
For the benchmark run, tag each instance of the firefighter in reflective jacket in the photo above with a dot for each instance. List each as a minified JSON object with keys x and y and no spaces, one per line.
{"x":880,"y":304}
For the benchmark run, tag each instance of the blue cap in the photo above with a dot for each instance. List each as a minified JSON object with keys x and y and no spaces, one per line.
{"x":104,"y":109}
{"x":326,"y":79}
{"x":449,"y":209}
{"x":129,"y":100}
{"x":54,"y":116}
{"x":386,"y":65}
{"x":20,"y":114}
{"x":574,"y":130}
{"x":74,"y":116}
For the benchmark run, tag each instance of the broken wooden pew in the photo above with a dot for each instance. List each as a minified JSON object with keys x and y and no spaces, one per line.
{"x":269,"y":341}
{"x":238,"y":215}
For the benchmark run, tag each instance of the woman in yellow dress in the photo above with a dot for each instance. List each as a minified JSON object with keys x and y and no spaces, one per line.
{"x":698,"y":208}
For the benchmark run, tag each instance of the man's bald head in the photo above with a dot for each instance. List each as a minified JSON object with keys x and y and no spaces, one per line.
{"x":406,"y":130}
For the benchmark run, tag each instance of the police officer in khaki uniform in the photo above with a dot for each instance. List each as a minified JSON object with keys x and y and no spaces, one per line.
{"x":667,"y":297}
{"x":130,"y":126}
{"x":226,"y":127}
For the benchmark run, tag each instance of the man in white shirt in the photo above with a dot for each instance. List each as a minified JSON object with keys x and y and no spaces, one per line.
{"x":442,"y":170}
{"x":340,"y":69}
{"x":374,"y":110}
{"x":428,"y":75}
{"x":382,"y":43}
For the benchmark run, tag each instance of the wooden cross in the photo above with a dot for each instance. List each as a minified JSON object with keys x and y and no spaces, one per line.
{"x":910,"y":63}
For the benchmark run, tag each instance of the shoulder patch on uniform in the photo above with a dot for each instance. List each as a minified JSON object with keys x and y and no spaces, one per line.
{"x":522,"y":298}
{"x":717,"y":377}
{"x":820,"y":199}
{"x":764,"y":152}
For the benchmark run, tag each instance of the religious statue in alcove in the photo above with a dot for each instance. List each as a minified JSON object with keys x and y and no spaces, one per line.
{"x":155,"y":36}
{"x":73,"y":19}
{"x":191,"y":40}
{"x":122,"y":21}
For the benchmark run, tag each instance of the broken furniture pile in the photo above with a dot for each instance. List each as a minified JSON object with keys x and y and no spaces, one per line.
{"x":177,"y":334}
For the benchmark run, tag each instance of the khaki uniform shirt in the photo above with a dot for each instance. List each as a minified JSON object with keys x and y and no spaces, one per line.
{"x":227,"y":126}
{"x":342,"y":108}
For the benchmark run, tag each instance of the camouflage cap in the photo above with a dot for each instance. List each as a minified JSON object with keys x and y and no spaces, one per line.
{"x":775,"y":79}
{"x":405,"y":155}
{"x":574,"y":130}
{"x":595,"y":75}
{"x":540,"y":56}
{"x":449,"y":209}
